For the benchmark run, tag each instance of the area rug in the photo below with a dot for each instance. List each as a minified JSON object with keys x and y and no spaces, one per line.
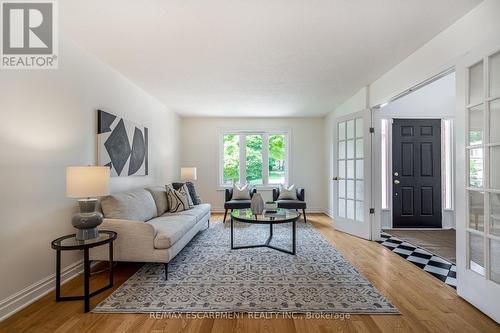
{"x":207,"y":276}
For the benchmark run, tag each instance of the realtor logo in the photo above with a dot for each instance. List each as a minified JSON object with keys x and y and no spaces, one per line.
{"x":29,"y":39}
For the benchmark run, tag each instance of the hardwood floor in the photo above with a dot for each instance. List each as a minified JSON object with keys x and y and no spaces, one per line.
{"x":425,"y":303}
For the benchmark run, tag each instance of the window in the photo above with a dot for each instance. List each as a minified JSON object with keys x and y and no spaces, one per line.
{"x":256,"y":158}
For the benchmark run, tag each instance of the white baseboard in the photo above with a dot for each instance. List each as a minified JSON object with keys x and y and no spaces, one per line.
{"x":328,"y":212}
{"x":23,"y":298}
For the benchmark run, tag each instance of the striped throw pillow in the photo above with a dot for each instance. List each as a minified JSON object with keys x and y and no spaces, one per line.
{"x":177,"y":200}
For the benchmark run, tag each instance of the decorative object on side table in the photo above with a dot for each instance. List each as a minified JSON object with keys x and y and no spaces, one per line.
{"x":86,"y":183}
{"x":70,"y":243}
{"x":257,"y":204}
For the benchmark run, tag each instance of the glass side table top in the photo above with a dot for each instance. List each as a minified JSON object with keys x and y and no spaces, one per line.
{"x":70,"y":241}
{"x":274,"y":216}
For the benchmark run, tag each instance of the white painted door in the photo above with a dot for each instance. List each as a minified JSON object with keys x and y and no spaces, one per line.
{"x":352,"y":152}
{"x":478,"y":180}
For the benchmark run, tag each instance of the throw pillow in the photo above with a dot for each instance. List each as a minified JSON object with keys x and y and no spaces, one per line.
{"x":192,"y":191}
{"x":184,"y":190}
{"x":177,"y":200}
{"x":288,"y":193}
{"x":241,"y":193}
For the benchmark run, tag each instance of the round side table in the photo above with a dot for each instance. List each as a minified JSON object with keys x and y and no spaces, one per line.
{"x":70,"y":243}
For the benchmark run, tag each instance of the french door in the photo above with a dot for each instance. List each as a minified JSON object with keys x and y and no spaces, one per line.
{"x":352,"y":167}
{"x":478,"y":180}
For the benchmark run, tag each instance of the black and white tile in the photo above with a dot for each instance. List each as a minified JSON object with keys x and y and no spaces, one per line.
{"x":442,"y":269}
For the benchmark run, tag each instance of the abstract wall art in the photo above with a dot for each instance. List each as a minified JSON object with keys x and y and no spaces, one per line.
{"x":121,"y":145}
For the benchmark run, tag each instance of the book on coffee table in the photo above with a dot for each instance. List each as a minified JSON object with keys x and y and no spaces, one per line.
{"x":274,"y":213}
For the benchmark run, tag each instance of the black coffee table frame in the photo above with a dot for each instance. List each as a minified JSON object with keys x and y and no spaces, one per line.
{"x":293,"y":220}
{"x":86,"y":266}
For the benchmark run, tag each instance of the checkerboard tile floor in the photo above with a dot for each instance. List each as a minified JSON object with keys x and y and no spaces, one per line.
{"x":442,"y":269}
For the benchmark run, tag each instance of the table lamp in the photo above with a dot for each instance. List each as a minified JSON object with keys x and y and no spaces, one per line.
{"x":188,"y":173}
{"x":86,"y":183}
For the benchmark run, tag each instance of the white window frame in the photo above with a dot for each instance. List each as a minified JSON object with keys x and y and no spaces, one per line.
{"x":265,"y":156}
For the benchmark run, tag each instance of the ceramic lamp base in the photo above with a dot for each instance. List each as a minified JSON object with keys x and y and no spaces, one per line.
{"x":87,"y":220}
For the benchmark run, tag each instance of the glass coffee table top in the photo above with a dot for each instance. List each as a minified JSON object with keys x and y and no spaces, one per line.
{"x":279,"y":215}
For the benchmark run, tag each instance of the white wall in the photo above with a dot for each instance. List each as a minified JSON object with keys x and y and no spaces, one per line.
{"x":200,"y":148}
{"x":48,"y":122}
{"x":476,"y":28}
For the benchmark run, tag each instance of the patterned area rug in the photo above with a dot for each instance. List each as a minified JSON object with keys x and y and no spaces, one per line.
{"x":207,"y":276}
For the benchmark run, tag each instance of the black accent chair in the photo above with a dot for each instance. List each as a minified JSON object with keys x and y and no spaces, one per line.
{"x":231,"y":204}
{"x":292,"y":204}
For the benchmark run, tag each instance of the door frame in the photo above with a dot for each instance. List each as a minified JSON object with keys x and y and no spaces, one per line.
{"x":376,"y":156}
{"x":447,"y":213}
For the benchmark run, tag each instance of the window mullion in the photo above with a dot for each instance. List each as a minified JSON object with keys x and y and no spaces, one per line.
{"x":265,"y":159}
{"x":243,"y":157}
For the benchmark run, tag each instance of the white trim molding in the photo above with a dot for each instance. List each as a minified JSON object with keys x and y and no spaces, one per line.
{"x":32,"y":293}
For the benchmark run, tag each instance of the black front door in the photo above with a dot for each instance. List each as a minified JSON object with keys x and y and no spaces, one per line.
{"x":416,"y":173}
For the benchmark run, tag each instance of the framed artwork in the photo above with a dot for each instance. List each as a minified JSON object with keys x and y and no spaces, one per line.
{"x":122,"y":145}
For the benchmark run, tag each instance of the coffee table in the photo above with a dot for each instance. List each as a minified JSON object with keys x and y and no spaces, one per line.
{"x":281,"y":216}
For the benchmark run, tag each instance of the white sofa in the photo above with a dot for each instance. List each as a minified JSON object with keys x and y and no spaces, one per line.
{"x":147,"y":231}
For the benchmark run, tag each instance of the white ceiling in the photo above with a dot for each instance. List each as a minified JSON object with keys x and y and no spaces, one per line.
{"x":255,"y":58}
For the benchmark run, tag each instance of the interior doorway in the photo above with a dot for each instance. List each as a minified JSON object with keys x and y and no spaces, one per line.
{"x":414,"y":162}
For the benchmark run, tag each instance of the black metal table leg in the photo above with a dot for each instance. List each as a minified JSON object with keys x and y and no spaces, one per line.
{"x":111,"y":264}
{"x":232,"y":242}
{"x":86,"y":274}
{"x":58,"y":275}
{"x":294,"y":236}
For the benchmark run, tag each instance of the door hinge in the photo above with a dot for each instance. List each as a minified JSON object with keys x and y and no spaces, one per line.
{"x":372,"y":129}
{"x":372,"y":210}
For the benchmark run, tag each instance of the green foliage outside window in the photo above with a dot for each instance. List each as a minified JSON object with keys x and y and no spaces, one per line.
{"x":231,"y":158}
{"x":277,"y":159}
{"x":254,"y":159}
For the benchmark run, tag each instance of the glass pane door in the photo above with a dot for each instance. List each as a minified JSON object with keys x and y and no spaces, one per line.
{"x":483,"y":180}
{"x":350,"y":169}
{"x":352,"y":166}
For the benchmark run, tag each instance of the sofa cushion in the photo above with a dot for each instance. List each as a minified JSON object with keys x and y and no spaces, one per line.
{"x":137,"y":205}
{"x":169,"y":229}
{"x":159,"y":194}
{"x":291,"y":204}
{"x":237,"y":204}
{"x":198,"y":212}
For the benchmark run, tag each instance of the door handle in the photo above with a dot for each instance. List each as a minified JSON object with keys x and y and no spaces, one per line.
{"x":335,"y":178}
{"x":396,"y":182}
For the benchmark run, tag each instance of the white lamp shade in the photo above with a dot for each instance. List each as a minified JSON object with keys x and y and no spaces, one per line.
{"x":87,"y":181}
{"x":188,"y":173}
